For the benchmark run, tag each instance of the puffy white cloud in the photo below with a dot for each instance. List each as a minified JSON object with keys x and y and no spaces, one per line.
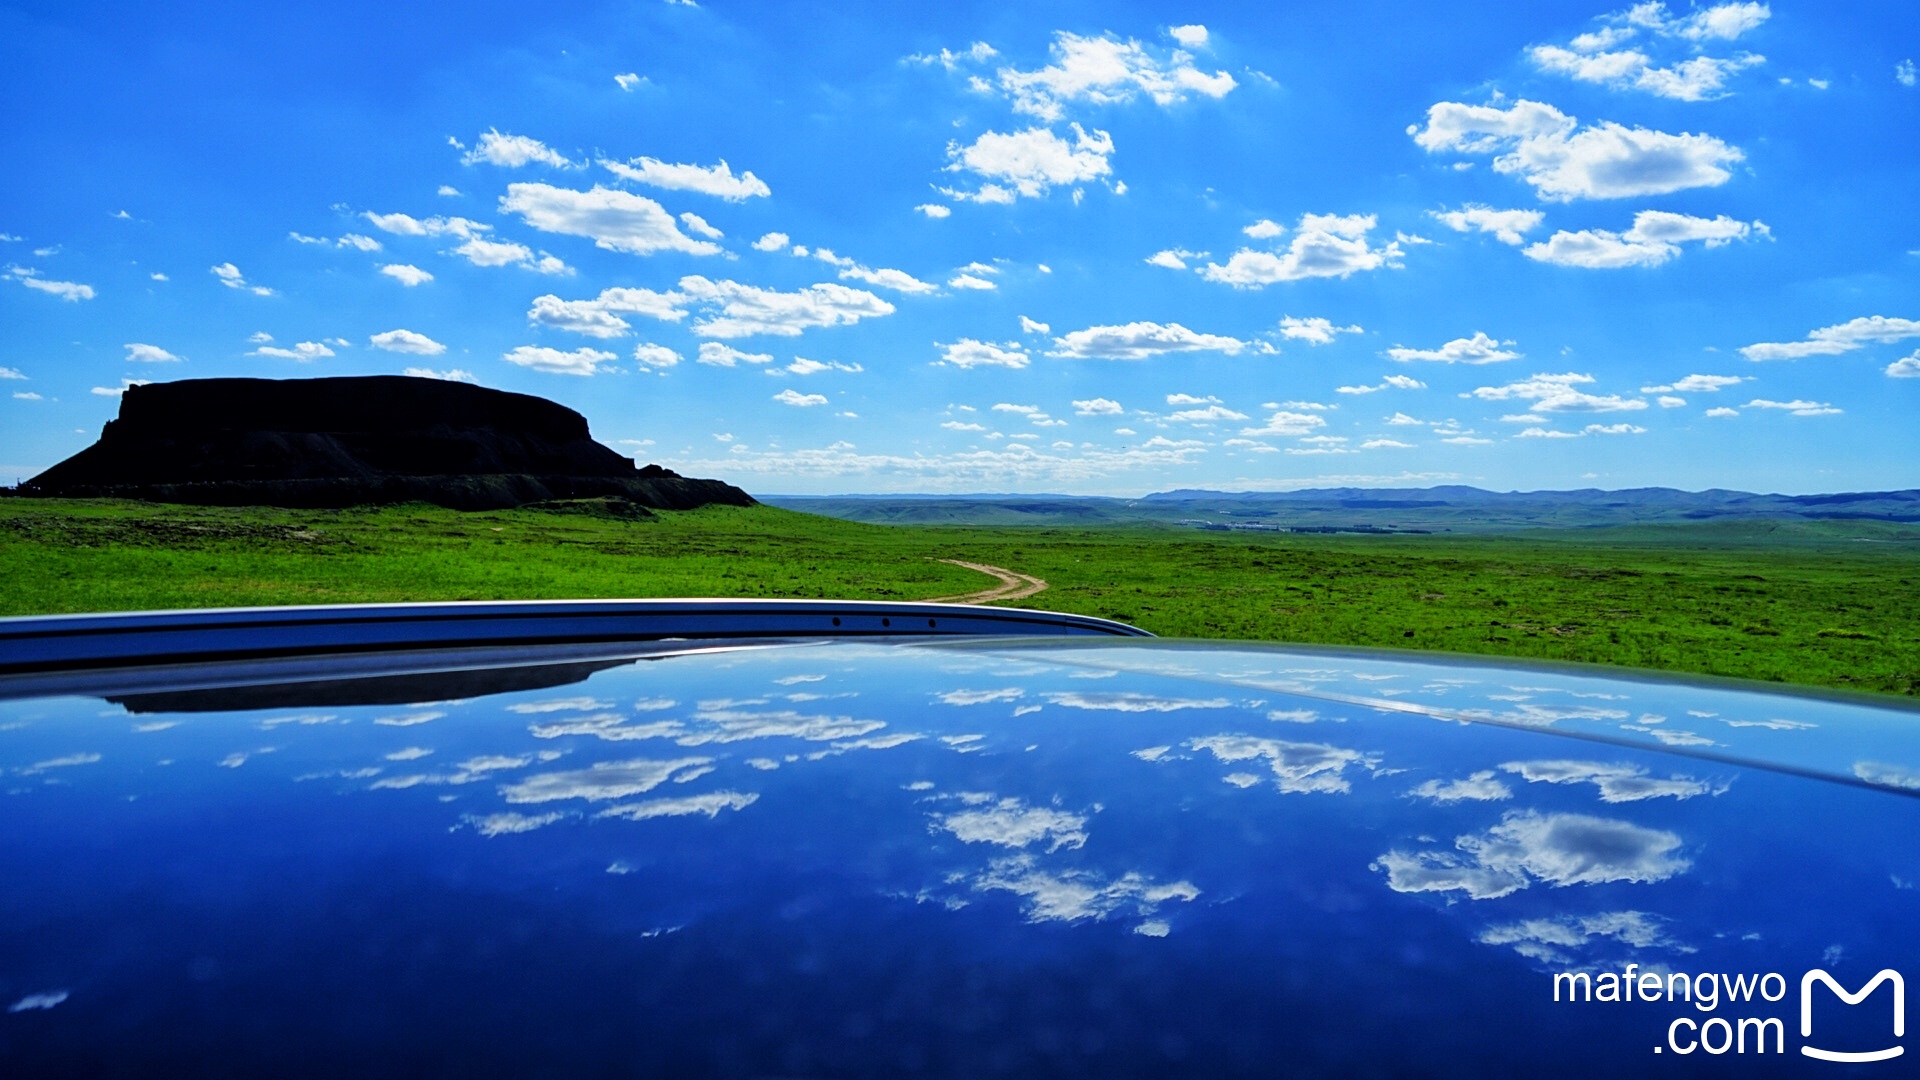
{"x":1098,"y":407}
{"x":1903,"y":73}
{"x":116,"y":391}
{"x":695,"y":223}
{"x":1012,"y":823}
{"x":1655,"y":237}
{"x":1286,"y":423}
{"x":949,"y":59}
{"x":1797,"y":407}
{"x":969,"y":353}
{"x":406,"y":341}
{"x":613,"y":219}
{"x":1907,"y":367}
{"x":1390,"y":382}
{"x":1539,"y":143}
{"x":1030,"y":162}
{"x":1479,"y":787}
{"x":514,"y":151}
{"x":934,"y":210}
{"x":1478,"y":349}
{"x":1556,"y":393}
{"x":1507,"y":226}
{"x":1696,"y":79}
{"x":629,"y":80}
{"x":450,"y":375}
{"x":1324,"y":245}
{"x":408,"y":225}
{"x":897,"y":280}
{"x":601,"y":316}
{"x":302,"y":351}
{"x":655,"y":356}
{"x":1315,"y":330}
{"x":737,"y":310}
{"x":772,"y":241}
{"x":1193,"y":37}
{"x":1264,"y":229}
{"x":604,"y":780}
{"x":1105,"y":71}
{"x":1073,"y":895}
{"x":148,"y":354}
{"x":1032,"y":326}
{"x":1721,"y":21}
{"x":229,"y":275}
{"x":1696,"y":384}
{"x":1297,"y":767}
{"x":1834,"y":340}
{"x":803,"y":366}
{"x":1141,"y":340}
{"x":1385,"y":444}
{"x":718,"y":355}
{"x":968,"y":281}
{"x":1560,"y":849}
{"x":581,"y":361}
{"x":1617,"y":783}
{"x":1548,"y":940}
{"x":716,"y":180}
{"x":799,"y":400}
{"x":1130,"y":702}
{"x":406,"y":274}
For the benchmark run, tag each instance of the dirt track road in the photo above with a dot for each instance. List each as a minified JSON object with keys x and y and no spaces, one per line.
{"x":1012,"y":586}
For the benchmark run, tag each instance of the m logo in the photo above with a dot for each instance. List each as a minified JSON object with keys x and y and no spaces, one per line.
{"x":1899,"y":1013}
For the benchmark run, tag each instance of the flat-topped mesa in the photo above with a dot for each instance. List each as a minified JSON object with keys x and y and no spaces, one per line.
{"x":354,"y":441}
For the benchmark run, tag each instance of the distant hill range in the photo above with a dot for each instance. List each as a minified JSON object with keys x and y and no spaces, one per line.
{"x":1411,"y":510}
{"x":358,"y":441}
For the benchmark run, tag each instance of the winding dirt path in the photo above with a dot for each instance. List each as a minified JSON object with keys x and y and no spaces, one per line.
{"x":1012,"y":586}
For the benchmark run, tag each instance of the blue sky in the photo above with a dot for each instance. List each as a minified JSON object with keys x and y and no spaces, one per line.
{"x":1098,"y":248}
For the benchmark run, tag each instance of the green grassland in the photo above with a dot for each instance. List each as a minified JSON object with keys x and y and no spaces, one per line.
{"x":1821,"y":604}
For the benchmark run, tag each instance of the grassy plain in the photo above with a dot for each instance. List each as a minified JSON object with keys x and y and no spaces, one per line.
{"x":1826,"y":604}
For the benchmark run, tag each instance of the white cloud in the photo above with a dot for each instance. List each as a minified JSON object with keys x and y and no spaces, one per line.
{"x":1385,"y":444}
{"x":1539,"y":144}
{"x":1012,"y":823}
{"x":1556,"y":393}
{"x":1390,"y":382}
{"x":1797,"y":407}
{"x":1722,"y":21}
{"x":116,"y":391}
{"x":601,"y":316}
{"x":448,"y":190}
{"x":1696,"y":384}
{"x":716,"y":180}
{"x":1549,"y":939}
{"x":629,"y":80}
{"x":1907,"y":367}
{"x":613,"y":219}
{"x":934,"y":210}
{"x":897,"y":280}
{"x":772,"y":241}
{"x":1193,"y":37}
{"x":1617,"y":783}
{"x":514,"y":151}
{"x":709,"y":804}
{"x":1140,"y":340}
{"x":46,"y":1000}
{"x":969,"y":353}
{"x":1478,"y":349}
{"x":408,"y":225}
{"x":949,"y":59}
{"x":1106,"y":71}
{"x":1297,"y":767}
{"x":1314,"y":331}
{"x":799,"y":400}
{"x":229,"y":275}
{"x":148,"y":354}
{"x":1655,"y":237}
{"x":1029,"y":162}
{"x":582,"y":361}
{"x":11,"y":373}
{"x":1903,"y":73}
{"x":1480,"y":787}
{"x":1324,"y":245}
{"x":1264,"y":229}
{"x":1834,"y":340}
{"x":1287,"y":423}
{"x":302,"y":351}
{"x":655,"y":356}
{"x":406,"y":341}
{"x":450,"y":375}
{"x":966,"y":281}
{"x":406,"y":274}
{"x":1698,"y":79}
{"x":1073,"y":895}
{"x":1560,"y":849}
{"x":604,"y":780}
{"x":718,"y":355}
{"x":1507,"y":226}
{"x":1098,"y":407}
{"x":358,"y":242}
{"x":803,"y":366}
{"x":483,"y":252}
{"x":1723,"y":411}
{"x":745,"y":310}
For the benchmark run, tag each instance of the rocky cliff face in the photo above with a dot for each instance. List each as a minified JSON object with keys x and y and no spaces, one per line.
{"x":357,"y":441}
